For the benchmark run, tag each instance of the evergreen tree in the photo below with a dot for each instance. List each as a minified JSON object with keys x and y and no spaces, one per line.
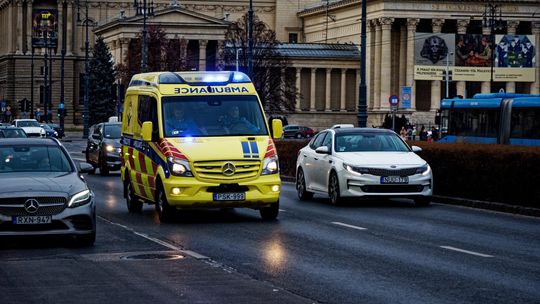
{"x":101,"y":82}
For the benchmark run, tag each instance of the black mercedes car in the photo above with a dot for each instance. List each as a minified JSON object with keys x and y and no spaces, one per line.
{"x":42,"y":191}
{"x":103,"y":147}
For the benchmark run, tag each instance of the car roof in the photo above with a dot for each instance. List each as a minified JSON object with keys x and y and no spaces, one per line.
{"x":28,"y":141}
{"x":361,"y":130}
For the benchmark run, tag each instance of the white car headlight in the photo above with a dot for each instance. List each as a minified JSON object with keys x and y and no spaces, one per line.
{"x":179,"y":167}
{"x":355,"y":170}
{"x":424,"y":170}
{"x":109,"y":148}
{"x":81,"y":198}
{"x":270,"y":165}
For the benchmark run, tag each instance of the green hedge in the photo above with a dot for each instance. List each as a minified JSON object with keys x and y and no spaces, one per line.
{"x":497,"y":173}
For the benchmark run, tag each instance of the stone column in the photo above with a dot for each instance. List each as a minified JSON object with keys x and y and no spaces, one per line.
{"x":312,"y":89}
{"x":411,"y":29}
{"x":124,"y":45}
{"x":60,"y":25}
{"x":202,"y":54}
{"x":29,"y":27}
{"x":436,"y":84}
{"x":11,"y":45}
{"x":402,"y":56}
{"x":535,"y":87}
{"x":328,"y":91}
{"x":343,"y":91}
{"x":19,"y":22}
{"x":486,"y":86}
{"x":298,"y":105}
{"x":386,"y":62}
{"x":461,"y":30}
{"x":511,"y":27}
{"x":69,"y":29}
{"x":377,"y":78}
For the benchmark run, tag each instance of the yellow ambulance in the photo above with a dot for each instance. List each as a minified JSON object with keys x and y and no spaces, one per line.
{"x":198,"y":140}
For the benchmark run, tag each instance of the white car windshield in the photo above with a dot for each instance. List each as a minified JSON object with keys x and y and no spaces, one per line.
{"x":28,"y":158}
{"x":212,"y":116}
{"x":27,"y":123}
{"x":369,"y":141}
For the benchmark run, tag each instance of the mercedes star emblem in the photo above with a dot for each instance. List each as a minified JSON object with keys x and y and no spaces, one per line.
{"x":31,"y":205}
{"x":228,"y":169}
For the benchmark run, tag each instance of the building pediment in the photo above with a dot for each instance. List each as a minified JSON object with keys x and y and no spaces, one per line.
{"x":173,"y":16}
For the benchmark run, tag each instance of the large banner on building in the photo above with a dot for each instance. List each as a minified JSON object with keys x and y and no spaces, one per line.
{"x":44,"y":28}
{"x":513,"y":55}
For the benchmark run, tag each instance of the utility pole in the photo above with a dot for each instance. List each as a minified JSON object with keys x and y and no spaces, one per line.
{"x":490,"y":20}
{"x":250,"y":39}
{"x":86,"y":111}
{"x":45,"y":76}
{"x":144,"y":10}
{"x":61,"y":106}
{"x":447,"y":76}
{"x":32,"y":84}
{"x":362,"y":98}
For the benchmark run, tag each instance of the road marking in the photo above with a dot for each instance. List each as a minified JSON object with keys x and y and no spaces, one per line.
{"x":467,"y":251}
{"x":349,"y":226}
{"x":192,"y":254}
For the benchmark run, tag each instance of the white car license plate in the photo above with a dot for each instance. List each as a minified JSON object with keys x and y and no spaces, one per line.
{"x":234,"y":196}
{"x":31,"y":220}
{"x":394,"y":179}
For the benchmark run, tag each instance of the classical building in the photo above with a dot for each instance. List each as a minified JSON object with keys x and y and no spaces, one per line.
{"x":320,"y":38}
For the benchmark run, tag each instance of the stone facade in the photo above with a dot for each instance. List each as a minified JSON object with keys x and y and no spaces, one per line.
{"x":328,"y":87}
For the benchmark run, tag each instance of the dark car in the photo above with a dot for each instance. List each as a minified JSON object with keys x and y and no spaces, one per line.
{"x":49,"y":131}
{"x":103,"y":147}
{"x":12,"y":132}
{"x":297,"y":131}
{"x":57,"y":128}
{"x":42,"y":191}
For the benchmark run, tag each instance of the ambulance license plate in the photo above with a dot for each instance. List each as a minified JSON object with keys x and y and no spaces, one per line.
{"x":233,"y":196}
{"x":32,"y":220}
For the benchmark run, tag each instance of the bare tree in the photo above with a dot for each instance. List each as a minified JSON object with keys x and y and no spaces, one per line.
{"x":272,"y":75}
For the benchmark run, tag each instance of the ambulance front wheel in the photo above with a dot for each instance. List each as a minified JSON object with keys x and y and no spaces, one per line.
{"x":134,"y":205}
{"x":163,"y":209}
{"x":270,"y":213}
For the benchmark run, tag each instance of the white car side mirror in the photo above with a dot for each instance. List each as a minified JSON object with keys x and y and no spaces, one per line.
{"x":416,"y":149}
{"x":322,"y":150}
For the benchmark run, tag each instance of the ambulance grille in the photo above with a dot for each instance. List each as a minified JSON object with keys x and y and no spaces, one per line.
{"x":213,"y":170}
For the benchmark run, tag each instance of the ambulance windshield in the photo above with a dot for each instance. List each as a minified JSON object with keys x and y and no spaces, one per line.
{"x":197,"y":116}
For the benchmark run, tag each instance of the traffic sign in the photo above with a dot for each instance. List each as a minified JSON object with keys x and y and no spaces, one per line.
{"x":394,"y":100}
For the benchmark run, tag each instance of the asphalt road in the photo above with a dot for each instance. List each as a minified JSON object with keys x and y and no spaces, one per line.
{"x":363,"y":252}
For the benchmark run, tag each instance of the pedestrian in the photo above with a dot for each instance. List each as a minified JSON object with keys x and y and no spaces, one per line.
{"x":434,"y":134}
{"x":423,"y":134}
{"x":414,"y":131}
{"x":409,"y":133}
{"x":403,"y":133}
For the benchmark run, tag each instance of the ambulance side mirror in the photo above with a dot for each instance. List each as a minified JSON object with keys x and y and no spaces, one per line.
{"x":147,"y":131}
{"x":277,"y":128}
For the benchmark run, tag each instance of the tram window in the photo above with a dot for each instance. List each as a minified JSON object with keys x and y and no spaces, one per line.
{"x":525,"y":123}
{"x":474,"y":122}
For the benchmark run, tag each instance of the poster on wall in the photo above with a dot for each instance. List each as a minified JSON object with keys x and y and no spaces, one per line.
{"x":44,"y":28}
{"x":432,"y":49}
{"x":513,"y":57}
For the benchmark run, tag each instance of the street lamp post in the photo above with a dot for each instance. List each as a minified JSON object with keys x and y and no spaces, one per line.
{"x":144,"y":10}
{"x":362,"y":91}
{"x":490,"y":20}
{"x":237,"y":50}
{"x":447,"y":76}
{"x":250,"y":39}
{"x":46,"y":76}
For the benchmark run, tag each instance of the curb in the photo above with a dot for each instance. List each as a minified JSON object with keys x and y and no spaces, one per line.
{"x":500,"y":207}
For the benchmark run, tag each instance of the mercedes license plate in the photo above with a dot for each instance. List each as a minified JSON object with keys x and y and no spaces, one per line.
{"x":31,"y":220}
{"x":233,"y":196}
{"x":394,"y":179}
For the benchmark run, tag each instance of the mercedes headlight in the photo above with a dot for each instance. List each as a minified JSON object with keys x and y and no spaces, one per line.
{"x":80,"y":199}
{"x":179,"y":167}
{"x":270,"y":165}
{"x":355,"y":170}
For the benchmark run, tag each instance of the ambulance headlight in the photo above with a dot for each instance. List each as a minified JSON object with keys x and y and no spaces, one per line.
{"x":270,"y":165}
{"x":179,"y":167}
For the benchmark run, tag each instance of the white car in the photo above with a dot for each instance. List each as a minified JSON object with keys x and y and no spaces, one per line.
{"x":30,"y":126}
{"x":362,"y":163}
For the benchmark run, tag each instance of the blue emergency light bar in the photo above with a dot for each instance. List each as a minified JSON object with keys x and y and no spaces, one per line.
{"x":203,"y":78}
